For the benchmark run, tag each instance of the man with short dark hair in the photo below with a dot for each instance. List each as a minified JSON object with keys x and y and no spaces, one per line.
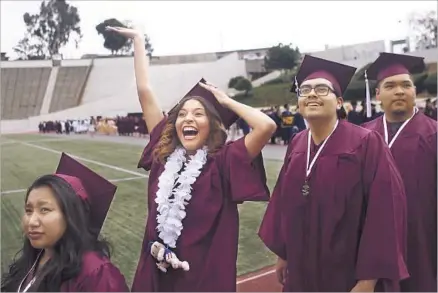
{"x":412,"y":138}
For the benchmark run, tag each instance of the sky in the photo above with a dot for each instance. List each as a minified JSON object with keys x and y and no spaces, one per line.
{"x":188,"y":27}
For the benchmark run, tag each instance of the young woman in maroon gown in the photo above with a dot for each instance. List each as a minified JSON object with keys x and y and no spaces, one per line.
{"x":64,"y":214}
{"x":412,"y":138}
{"x":337,"y":216}
{"x":196,"y":181}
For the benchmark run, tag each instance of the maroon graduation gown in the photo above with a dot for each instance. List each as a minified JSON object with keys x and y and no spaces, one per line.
{"x":352,"y":225}
{"x":209,"y":239}
{"x":415,"y":153}
{"x":98,"y":274}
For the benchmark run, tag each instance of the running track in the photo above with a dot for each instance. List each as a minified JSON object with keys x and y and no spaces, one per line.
{"x":264,"y":280}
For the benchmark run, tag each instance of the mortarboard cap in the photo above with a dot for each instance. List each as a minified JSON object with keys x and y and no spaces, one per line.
{"x":312,"y":67}
{"x":389,"y":64}
{"x":89,"y":186}
{"x":228,"y":117}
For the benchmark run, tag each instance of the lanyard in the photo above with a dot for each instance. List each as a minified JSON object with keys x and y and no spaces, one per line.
{"x":309,"y":137}
{"x":385,"y":128}
{"x":25,"y":277}
{"x":28,"y":285}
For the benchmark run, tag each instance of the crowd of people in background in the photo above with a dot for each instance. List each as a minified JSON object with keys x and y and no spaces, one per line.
{"x":288,"y":119}
{"x":120,"y":125}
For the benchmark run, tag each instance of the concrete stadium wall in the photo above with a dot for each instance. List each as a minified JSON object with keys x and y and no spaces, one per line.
{"x":352,"y":53}
{"x":111,"y":88}
{"x":113,"y":80}
{"x":15,"y":126}
{"x":22,"y":91}
{"x":26,"y":64}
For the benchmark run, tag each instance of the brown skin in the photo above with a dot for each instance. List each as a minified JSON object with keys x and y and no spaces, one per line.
{"x":281,"y":270}
{"x":193,"y":114}
{"x":194,"y":111}
{"x":44,"y":216}
{"x":319,"y":111}
{"x":397,"y":94}
{"x":149,"y":104}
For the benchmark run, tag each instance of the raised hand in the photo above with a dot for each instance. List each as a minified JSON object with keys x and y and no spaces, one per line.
{"x":130,"y":33}
{"x":220,"y":95}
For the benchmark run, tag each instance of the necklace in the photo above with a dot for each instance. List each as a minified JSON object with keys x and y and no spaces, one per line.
{"x":305,"y":190}
{"x":172,"y":200}
{"x":25,"y":277}
{"x":385,"y":128}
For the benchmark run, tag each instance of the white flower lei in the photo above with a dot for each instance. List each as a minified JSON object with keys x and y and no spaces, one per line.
{"x":171,"y":212}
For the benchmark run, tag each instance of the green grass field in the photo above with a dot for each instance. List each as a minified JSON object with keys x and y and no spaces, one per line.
{"x":22,"y":163}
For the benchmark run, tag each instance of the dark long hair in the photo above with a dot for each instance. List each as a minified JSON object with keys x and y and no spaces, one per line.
{"x":66,"y":261}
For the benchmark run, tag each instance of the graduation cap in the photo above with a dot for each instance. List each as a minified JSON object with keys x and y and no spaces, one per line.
{"x":228,"y":117}
{"x":390,"y":64}
{"x":338,"y":74}
{"x":313,"y":67}
{"x":89,"y":186}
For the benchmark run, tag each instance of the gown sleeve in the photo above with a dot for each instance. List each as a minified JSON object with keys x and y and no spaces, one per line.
{"x":146,"y":157}
{"x":270,"y":231}
{"x":244,"y":178}
{"x":105,"y":278}
{"x":382,"y":246}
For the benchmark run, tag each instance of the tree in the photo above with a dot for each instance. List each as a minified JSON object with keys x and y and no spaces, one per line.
{"x":233,"y":81}
{"x":127,"y":49}
{"x":282,"y":57}
{"x":4,"y":57}
{"x":240,"y":83}
{"x":48,"y":31}
{"x":116,"y":43}
{"x":29,"y":49}
{"x":425,"y":28}
{"x":148,"y":46}
{"x":113,"y":41}
{"x":244,"y":85}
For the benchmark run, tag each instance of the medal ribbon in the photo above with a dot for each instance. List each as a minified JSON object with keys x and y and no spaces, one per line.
{"x":309,"y":137}
{"x":25,"y":277}
{"x":385,"y":128}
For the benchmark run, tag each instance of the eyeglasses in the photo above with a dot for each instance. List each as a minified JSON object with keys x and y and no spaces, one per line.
{"x":320,"y":90}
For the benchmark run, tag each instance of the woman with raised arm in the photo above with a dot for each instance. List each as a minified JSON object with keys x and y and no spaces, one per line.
{"x":196,"y":181}
{"x":63,"y":215}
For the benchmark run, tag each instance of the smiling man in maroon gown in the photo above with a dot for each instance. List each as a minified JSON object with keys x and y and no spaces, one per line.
{"x":412,"y":138}
{"x":337,"y":216}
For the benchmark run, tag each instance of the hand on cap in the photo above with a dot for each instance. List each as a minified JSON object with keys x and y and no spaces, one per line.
{"x":220,"y":96}
{"x":130,"y":33}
